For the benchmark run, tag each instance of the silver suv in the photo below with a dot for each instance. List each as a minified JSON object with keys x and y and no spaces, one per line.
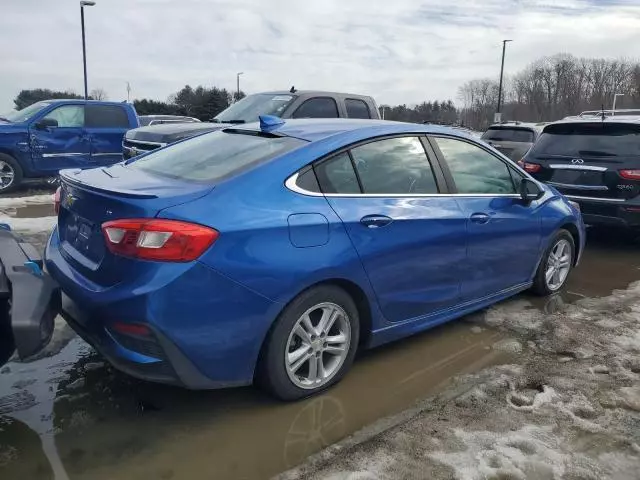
{"x":513,"y":139}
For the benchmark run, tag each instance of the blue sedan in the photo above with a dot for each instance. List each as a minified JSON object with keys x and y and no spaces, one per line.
{"x":272,"y":252}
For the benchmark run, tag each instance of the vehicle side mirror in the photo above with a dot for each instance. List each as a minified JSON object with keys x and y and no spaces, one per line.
{"x":46,"y":123}
{"x":530,"y":190}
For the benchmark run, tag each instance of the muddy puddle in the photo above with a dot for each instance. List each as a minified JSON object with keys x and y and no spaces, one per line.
{"x":70,"y":416}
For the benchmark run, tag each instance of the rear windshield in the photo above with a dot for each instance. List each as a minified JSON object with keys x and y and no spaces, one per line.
{"x":509,"y":135}
{"x":214,"y":156}
{"x":589,"y":140}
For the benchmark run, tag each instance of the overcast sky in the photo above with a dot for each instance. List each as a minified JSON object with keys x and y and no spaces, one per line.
{"x":396,"y":50}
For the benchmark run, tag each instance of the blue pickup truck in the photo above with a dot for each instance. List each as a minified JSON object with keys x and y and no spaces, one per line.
{"x":51,"y":135}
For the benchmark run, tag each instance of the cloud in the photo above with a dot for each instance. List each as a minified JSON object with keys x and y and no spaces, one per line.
{"x":398,"y":51}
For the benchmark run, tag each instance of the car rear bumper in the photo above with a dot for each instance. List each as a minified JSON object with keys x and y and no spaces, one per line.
{"x":607,"y":212}
{"x":204,"y":330}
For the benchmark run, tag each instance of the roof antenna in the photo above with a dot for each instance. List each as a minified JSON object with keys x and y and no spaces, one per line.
{"x":293,"y":89}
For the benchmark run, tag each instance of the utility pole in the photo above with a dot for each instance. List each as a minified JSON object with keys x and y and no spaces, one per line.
{"x":238,"y":85}
{"x":499,"y":111}
{"x":128,"y":92}
{"x":615,"y":98}
{"x":83,"y":4}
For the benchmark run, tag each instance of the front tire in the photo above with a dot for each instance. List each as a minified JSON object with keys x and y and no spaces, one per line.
{"x":312,"y":344}
{"x":10,"y":173}
{"x":556,"y":264}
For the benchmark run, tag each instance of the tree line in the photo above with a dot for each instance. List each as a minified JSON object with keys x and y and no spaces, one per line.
{"x":548,"y":89}
{"x":552,"y":88}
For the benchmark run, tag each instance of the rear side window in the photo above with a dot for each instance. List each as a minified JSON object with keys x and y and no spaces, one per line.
{"x":474,"y":170}
{"x":522,"y":135}
{"x":336,"y":175}
{"x":106,"y":116}
{"x":589,"y":140}
{"x":357,"y":108}
{"x":320,"y":107}
{"x":214,"y":156}
{"x":394,"y":166}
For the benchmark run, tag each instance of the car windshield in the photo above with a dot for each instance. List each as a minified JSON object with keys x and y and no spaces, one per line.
{"x":215,"y":156}
{"x":250,"y":108}
{"x":144,"y":121}
{"x":589,"y":140}
{"x":26,"y":113}
{"x":501,"y":134}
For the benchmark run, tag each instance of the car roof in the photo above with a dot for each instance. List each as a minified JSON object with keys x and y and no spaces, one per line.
{"x":83,"y":101}
{"x":532,"y":125}
{"x":320,"y":128}
{"x":630,"y":119}
{"x":313,"y":93}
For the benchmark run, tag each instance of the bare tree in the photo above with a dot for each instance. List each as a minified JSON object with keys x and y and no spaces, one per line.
{"x":98,"y":94}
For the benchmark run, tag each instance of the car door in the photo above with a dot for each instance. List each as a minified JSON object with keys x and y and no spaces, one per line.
{"x":503,"y":232}
{"x":59,"y":140}
{"x":106,"y":126}
{"x":409,"y":236}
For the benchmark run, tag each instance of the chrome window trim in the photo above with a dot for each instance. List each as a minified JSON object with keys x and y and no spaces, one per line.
{"x":580,"y":187}
{"x":104,"y":154}
{"x":591,"y":168}
{"x":592,"y":199}
{"x":290,"y":183}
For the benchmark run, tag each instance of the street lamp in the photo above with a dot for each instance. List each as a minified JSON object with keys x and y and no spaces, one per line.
{"x":238,"y":85}
{"x":499,"y":113}
{"x":615,"y":98}
{"x":83,"y":4}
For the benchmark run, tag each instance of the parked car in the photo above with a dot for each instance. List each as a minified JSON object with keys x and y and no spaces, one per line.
{"x":284,"y":104}
{"x":272,"y":252}
{"x":45,"y":137}
{"x":595,"y":162}
{"x":146,"y":120}
{"x":513,"y":139}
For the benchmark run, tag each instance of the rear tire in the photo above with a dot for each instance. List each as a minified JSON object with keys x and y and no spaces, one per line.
{"x":312,"y":344}
{"x":556,"y":264}
{"x":10,"y":173}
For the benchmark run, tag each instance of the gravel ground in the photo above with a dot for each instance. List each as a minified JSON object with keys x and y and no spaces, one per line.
{"x":568,"y":408}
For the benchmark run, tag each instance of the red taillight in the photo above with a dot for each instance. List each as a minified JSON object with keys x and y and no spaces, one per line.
{"x":156,"y":239}
{"x":630,"y":174}
{"x":56,"y":201}
{"x":529,"y":167}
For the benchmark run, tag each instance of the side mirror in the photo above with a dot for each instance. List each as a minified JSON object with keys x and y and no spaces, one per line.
{"x":530,"y":190}
{"x":46,"y":123}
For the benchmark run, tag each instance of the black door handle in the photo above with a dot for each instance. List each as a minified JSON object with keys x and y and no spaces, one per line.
{"x":375,"y":221}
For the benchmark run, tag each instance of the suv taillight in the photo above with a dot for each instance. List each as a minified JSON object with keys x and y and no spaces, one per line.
{"x":56,"y":200}
{"x":529,"y":167}
{"x":630,"y":174}
{"x":157,"y":239}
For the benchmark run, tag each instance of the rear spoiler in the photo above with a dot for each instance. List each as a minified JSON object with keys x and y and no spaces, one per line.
{"x":68,"y":176}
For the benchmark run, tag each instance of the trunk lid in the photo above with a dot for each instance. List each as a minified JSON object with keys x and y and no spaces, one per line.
{"x":88,"y":198}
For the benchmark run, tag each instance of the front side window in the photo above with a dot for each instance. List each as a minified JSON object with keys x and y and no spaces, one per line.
{"x":357,"y":108}
{"x":106,"y":116}
{"x":474,"y":170}
{"x":394,"y":166}
{"x":336,"y":175}
{"x":68,"y":116}
{"x":214,"y":156}
{"x":321,"y":107}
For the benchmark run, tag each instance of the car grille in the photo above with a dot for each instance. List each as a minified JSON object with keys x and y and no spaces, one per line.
{"x":131,"y":148}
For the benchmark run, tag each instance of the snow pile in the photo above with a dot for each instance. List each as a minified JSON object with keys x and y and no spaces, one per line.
{"x":32,"y":225}
{"x":17,"y":202}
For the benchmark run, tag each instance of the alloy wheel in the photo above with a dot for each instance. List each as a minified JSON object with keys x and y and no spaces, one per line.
{"x":558,"y":264}
{"x":7,"y":175}
{"x":317,"y":345}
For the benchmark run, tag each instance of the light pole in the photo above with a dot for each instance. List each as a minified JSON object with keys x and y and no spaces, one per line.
{"x":84,"y":3}
{"x":615,"y":98}
{"x":238,"y":85}
{"x":498,"y":112}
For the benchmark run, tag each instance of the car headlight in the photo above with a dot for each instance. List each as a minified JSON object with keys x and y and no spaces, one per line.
{"x":575,"y":205}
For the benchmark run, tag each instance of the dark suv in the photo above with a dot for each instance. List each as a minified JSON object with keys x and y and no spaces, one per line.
{"x":283,"y":104}
{"x":513,"y":139}
{"x":595,"y":162}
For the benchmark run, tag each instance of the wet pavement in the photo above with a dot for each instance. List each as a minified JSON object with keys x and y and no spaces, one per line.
{"x":70,"y":416}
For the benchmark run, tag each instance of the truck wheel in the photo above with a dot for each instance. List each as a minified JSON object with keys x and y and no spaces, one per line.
{"x":10,"y":173}
{"x":312,"y":344}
